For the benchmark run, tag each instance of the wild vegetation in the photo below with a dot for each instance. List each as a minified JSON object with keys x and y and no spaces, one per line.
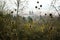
{"x":13,"y":28}
{"x":21,"y":28}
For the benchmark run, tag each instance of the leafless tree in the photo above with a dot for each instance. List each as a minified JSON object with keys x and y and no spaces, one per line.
{"x":2,"y":5}
{"x":20,"y":5}
{"x":53,"y":5}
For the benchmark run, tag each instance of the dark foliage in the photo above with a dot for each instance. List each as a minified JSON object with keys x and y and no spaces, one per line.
{"x":26,"y":29}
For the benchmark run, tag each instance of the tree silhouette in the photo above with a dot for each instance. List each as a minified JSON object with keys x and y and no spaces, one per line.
{"x":53,"y":2}
{"x":2,"y":5}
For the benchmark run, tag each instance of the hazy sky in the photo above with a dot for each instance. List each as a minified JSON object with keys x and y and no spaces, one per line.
{"x":32,"y":3}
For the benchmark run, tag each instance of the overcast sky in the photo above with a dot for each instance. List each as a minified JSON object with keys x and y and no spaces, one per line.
{"x":32,"y":3}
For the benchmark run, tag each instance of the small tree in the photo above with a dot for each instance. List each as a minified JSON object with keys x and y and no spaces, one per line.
{"x":20,"y":5}
{"x":30,"y":19}
{"x":2,"y":5}
{"x":53,"y":5}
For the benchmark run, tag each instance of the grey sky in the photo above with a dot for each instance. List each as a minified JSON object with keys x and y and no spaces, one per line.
{"x":32,"y":3}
